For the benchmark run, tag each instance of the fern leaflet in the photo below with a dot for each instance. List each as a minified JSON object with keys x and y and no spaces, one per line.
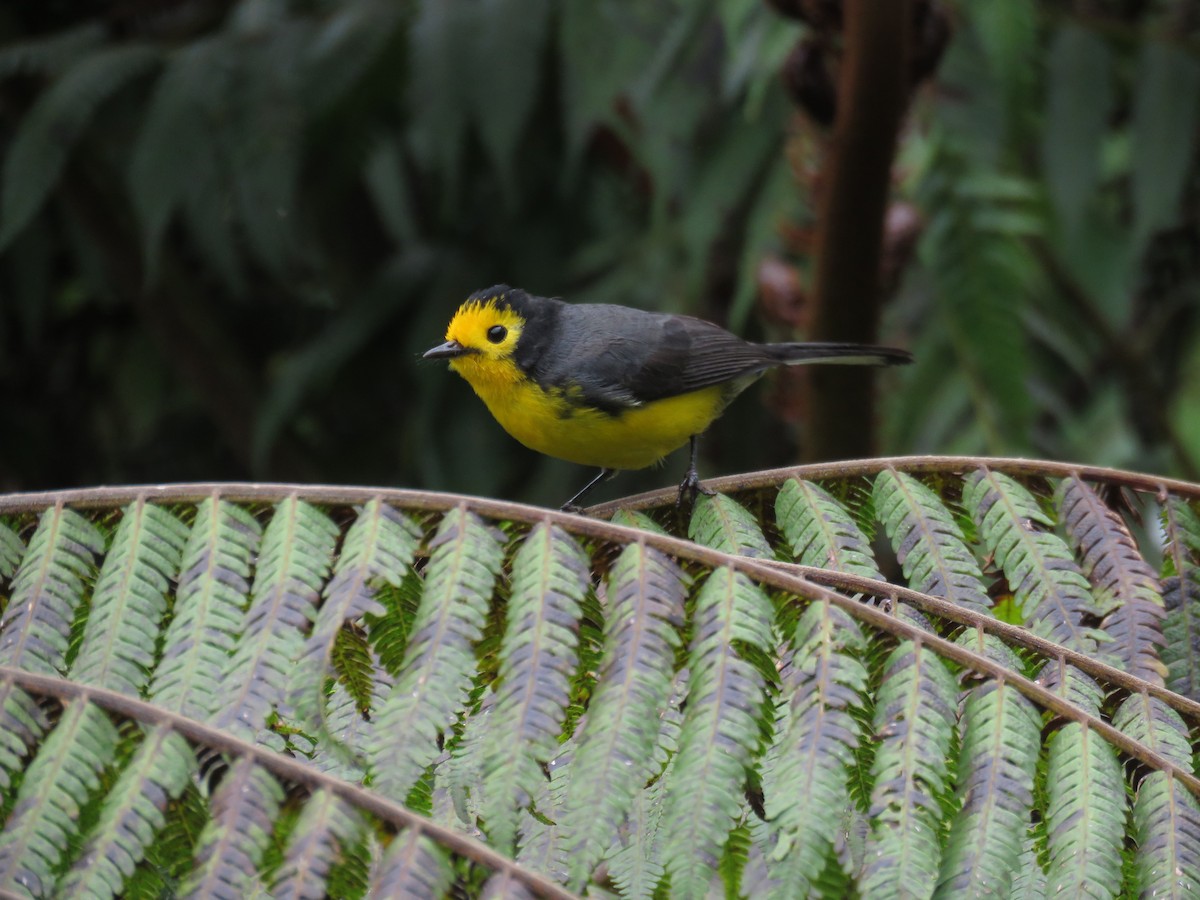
{"x":538,"y":654}
{"x":821,"y":533}
{"x":1181,"y":596}
{"x":57,"y":785}
{"x":807,"y":766}
{"x":208,"y":609}
{"x":720,"y":728}
{"x":130,"y":599}
{"x":231,"y":846}
{"x":293,"y":562}
{"x":928,"y":542}
{"x":1053,"y":594}
{"x":132,"y":814}
{"x":327,"y":826}
{"x":439,"y":664}
{"x":644,"y":609}
{"x":1123,"y":585}
{"x":914,"y":720}
{"x":412,"y":866}
{"x":722,"y":523}
{"x":1085,"y":812}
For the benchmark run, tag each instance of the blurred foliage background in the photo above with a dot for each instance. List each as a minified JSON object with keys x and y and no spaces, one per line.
{"x":228,"y":229}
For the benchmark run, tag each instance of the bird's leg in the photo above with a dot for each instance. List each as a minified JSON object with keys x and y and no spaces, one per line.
{"x":572,"y":505}
{"x":691,"y":486}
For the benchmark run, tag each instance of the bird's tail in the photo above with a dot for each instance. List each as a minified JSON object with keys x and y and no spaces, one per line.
{"x":839,"y":354}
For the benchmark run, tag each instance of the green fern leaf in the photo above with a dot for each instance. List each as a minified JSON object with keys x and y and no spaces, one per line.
{"x":131,"y":815}
{"x":1123,"y":585}
{"x":543,"y":848}
{"x":378,"y":549}
{"x":644,"y":610}
{"x":914,"y":719}
{"x":636,"y":867}
{"x":208,"y":609}
{"x":130,"y":599}
{"x":723,"y":524}
{"x":293,"y":562}
{"x":57,"y":784}
{"x":1085,"y":812}
{"x":1001,"y":739}
{"x":1166,"y":817}
{"x":1181,"y":597}
{"x":12,"y":548}
{"x":720,"y":728}
{"x":1029,"y":878}
{"x":328,"y":825}
{"x":40,"y":148}
{"x":821,"y":533}
{"x":928,"y":542}
{"x":1053,"y":593}
{"x":436,"y":676}
{"x":807,"y":766}
{"x":46,"y":590}
{"x":231,"y":846}
{"x":412,"y":866}
{"x":631,"y":518}
{"x":538,"y":656}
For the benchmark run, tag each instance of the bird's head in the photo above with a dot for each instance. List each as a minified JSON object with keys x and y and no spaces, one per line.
{"x":482,"y":338}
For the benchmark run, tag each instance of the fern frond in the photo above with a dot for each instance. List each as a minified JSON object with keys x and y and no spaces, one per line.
{"x":208,"y":609}
{"x":914,"y":721}
{"x":327,"y":826}
{"x":807,"y":766}
{"x":131,"y":816}
{"x":1029,"y":878}
{"x":378,"y":549}
{"x":48,"y":133}
{"x":57,"y":784}
{"x":538,"y":656}
{"x":35,"y":629}
{"x":1085,"y":811}
{"x":412,"y":866}
{"x":1053,"y":594}
{"x":631,"y":518}
{"x":12,"y":548}
{"x":130,"y":599}
{"x":231,"y":846}
{"x":1001,"y":740}
{"x":637,"y":866}
{"x":1166,"y":816}
{"x":722,"y":523}
{"x":542,"y":845}
{"x":720,"y":728}
{"x":1181,"y":597}
{"x":644,"y":610}
{"x":1124,"y":586}
{"x":293,"y":562}
{"x":821,"y":533}
{"x":928,"y":542}
{"x":46,"y":591}
{"x":431,"y":687}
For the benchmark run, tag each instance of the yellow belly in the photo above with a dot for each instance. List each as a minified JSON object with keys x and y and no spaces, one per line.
{"x":630,"y":439}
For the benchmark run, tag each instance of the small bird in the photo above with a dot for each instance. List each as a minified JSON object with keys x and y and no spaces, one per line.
{"x":610,"y":386}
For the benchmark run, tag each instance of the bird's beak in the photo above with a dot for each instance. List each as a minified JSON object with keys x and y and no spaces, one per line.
{"x":448,"y":350}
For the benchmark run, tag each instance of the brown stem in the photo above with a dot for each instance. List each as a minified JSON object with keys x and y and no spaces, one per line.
{"x":873,"y":91}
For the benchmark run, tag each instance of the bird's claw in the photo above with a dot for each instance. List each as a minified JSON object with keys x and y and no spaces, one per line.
{"x":689,"y":488}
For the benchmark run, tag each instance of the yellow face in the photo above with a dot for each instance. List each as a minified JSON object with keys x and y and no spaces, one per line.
{"x":489,"y":333}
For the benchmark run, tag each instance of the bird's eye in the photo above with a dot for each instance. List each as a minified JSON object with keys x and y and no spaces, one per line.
{"x":497,"y":333}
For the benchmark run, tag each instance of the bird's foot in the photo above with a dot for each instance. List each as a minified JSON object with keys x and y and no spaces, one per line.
{"x":689,"y":488}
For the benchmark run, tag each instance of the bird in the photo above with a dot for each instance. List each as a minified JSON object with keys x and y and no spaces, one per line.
{"x":611,"y":386}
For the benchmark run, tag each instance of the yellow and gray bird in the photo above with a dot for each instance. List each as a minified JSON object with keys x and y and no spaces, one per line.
{"x":610,"y":386}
